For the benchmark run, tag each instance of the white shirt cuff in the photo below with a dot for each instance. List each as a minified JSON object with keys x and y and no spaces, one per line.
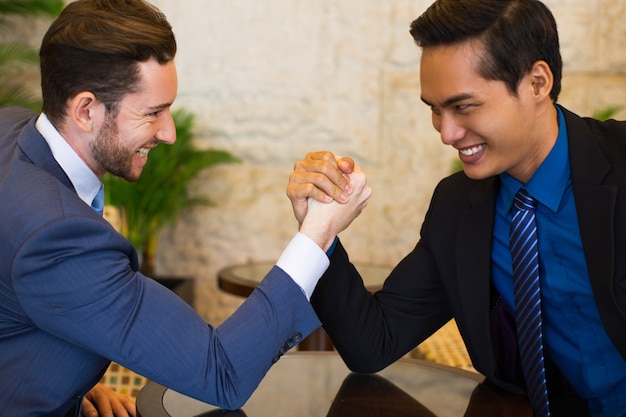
{"x":305,"y":262}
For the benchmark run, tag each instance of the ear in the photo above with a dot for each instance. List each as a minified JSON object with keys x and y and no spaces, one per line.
{"x":85,"y":111}
{"x":541,"y":79}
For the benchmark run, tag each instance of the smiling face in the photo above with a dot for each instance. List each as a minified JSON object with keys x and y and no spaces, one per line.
{"x":142,"y":120}
{"x":494,"y":130}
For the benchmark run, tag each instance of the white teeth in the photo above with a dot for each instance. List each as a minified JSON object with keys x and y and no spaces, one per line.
{"x":143,"y":151}
{"x":472,"y":151}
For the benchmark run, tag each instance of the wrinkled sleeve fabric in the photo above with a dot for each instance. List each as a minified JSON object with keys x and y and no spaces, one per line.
{"x":74,"y":280}
{"x":371,"y":331}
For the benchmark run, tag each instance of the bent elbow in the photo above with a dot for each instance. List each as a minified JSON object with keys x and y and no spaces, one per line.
{"x":233,"y":392}
{"x":232,"y":398}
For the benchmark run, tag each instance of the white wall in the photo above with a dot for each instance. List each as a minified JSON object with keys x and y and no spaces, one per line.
{"x":273,"y":79}
{"x":270,"y":80}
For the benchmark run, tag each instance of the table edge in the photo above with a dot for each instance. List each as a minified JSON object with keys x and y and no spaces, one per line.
{"x":153,"y":389}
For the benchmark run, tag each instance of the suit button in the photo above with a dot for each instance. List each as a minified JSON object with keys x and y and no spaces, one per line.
{"x":297,"y":337}
{"x":275,"y":359}
{"x":289,"y":343}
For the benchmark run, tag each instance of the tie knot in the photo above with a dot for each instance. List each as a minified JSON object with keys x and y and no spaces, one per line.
{"x":524,"y":201}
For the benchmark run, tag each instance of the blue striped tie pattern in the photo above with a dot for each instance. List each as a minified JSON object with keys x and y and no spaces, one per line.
{"x":98,"y":202}
{"x":525,"y":259}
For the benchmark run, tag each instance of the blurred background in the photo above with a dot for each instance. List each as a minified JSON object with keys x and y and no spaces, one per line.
{"x":270,"y":80}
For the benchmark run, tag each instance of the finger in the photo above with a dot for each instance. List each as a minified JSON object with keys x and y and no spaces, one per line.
{"x":321,"y":186}
{"x":346,"y":165}
{"x":321,"y":156}
{"x":123,"y":406}
{"x":102,"y":403}
{"x":302,"y":186}
{"x":325,"y":172}
{"x":88,"y":409}
{"x":298,"y":194}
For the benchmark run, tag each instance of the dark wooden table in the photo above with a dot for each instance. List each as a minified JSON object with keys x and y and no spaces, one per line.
{"x":318,"y":384}
{"x":242,"y":279}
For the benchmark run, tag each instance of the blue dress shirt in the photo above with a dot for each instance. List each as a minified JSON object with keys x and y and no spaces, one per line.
{"x":573,"y":333}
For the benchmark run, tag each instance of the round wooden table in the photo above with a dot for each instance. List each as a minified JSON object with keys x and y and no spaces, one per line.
{"x":241,"y":280}
{"x":318,"y":384}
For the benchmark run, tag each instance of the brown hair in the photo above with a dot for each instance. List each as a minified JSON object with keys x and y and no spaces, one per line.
{"x":95,"y":45}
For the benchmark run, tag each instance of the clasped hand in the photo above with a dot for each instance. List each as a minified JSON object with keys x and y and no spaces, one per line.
{"x":327,"y":194}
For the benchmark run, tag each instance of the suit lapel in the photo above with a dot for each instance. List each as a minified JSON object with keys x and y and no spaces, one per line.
{"x":473,"y":256}
{"x":596,"y":203}
{"x":34,"y":146}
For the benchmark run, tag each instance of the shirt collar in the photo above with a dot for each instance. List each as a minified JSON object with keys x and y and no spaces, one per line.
{"x":548,"y":183}
{"x":85,"y":182}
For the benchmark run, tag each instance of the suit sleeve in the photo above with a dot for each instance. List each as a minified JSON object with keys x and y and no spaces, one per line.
{"x":371,"y":331}
{"x":74,"y":280}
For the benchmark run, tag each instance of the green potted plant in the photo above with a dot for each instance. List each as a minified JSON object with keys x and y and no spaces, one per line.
{"x":157,"y":198}
{"x":606,"y":113}
{"x":18,"y":59}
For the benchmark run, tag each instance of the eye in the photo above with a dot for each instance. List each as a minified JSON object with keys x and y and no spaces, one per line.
{"x":435,"y":110}
{"x":467,"y":107}
{"x":156,"y":111}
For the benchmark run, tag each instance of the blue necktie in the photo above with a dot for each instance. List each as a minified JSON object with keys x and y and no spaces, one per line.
{"x":528,"y":300}
{"x":98,"y":202}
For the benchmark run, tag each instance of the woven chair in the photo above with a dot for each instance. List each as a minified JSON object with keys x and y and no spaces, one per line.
{"x":445,"y":347}
{"x":123,"y":380}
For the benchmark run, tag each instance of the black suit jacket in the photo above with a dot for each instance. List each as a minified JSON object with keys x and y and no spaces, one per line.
{"x":448,"y":274}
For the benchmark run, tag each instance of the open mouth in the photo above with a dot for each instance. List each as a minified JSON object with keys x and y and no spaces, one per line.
{"x":473,"y":150}
{"x":143,"y":152}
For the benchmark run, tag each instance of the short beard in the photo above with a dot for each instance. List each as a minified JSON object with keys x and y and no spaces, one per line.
{"x":108,"y":152}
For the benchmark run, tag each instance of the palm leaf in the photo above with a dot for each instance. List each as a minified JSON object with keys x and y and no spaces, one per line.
{"x":37,"y":8}
{"x":13,"y":57}
{"x":607,"y":112}
{"x":17,"y":58}
{"x":14,"y":94}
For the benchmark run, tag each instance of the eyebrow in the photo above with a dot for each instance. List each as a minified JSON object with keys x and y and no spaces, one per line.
{"x":450,"y":101}
{"x":159,"y":107}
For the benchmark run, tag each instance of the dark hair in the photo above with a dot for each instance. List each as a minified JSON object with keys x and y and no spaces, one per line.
{"x":96,"y":46}
{"x":514,"y":33}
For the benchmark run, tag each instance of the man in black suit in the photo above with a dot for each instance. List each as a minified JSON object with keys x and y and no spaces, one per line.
{"x":491,"y":73}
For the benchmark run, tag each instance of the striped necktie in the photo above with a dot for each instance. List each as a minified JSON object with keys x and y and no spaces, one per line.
{"x":525,"y":259}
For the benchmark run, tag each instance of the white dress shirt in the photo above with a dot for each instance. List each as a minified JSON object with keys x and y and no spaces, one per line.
{"x":82,"y":177}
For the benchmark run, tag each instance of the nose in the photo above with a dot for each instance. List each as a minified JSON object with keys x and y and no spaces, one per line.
{"x":167,"y":128}
{"x":449,"y":128}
